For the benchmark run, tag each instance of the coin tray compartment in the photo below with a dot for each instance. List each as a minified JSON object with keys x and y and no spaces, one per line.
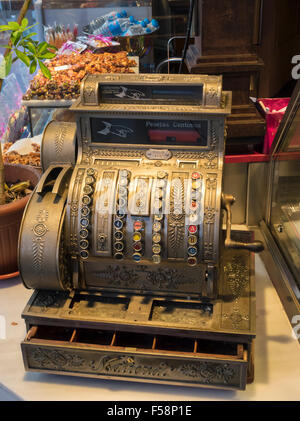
{"x":134,"y":340}
{"x":170,"y":311}
{"x":138,"y":341}
{"x":90,"y":336}
{"x":104,"y":305}
{"x":49,"y":333}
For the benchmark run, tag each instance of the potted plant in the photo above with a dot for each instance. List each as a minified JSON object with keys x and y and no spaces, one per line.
{"x":12,"y":200}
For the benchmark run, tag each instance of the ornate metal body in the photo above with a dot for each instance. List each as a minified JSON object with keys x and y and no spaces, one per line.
{"x":139,"y":216}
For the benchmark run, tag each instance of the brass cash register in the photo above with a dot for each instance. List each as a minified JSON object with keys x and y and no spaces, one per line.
{"x":122,"y":240}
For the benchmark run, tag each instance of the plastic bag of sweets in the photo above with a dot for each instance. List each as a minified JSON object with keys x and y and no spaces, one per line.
{"x":57,"y":35}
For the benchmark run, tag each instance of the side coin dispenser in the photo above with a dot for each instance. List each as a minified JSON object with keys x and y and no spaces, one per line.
{"x":122,"y":240}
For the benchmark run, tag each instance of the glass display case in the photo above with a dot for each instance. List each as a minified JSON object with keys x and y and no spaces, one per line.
{"x":83,"y":11}
{"x":282,"y":222}
{"x":16,"y":83}
{"x":284,"y":219}
{"x":172,"y":15}
{"x":149,"y":50}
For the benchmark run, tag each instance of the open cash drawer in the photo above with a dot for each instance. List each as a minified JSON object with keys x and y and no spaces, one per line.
{"x":143,"y":357}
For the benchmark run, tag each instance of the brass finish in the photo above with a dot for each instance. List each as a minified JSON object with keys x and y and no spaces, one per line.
{"x":42,"y":255}
{"x":58,"y":144}
{"x":126,"y":335}
{"x":90,"y":92}
{"x":132,"y":231}
{"x":255,"y":246}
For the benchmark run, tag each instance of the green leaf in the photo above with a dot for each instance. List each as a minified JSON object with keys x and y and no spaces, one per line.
{"x":8,"y":60}
{"x":52,"y":47}
{"x":42,"y":47}
{"x":24,"y":22}
{"x":5,"y":46}
{"x":15,"y":37}
{"x":14,"y":26}
{"x":46,"y":72}
{"x":29,"y":46}
{"x":35,"y":43}
{"x":33,"y":65}
{"x":47,"y":55}
{"x":5,"y":66}
{"x":28,"y":37}
{"x":3,"y":69}
{"x":32,"y":26}
{"x":23,"y":57}
{"x":4,"y":28}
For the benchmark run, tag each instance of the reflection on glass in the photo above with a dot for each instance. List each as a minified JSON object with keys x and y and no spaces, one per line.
{"x":293,"y":137}
{"x":39,"y":117}
{"x":285,"y":211}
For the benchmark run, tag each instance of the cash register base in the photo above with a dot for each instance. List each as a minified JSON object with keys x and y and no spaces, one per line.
{"x":149,"y":338}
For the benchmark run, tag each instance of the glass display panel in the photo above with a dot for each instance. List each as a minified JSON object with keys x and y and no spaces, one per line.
{"x":285,"y":206}
{"x":83,"y":12}
{"x":293,"y":137}
{"x":155,"y":132}
{"x":142,"y":94}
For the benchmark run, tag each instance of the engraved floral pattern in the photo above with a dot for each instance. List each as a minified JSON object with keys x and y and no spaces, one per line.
{"x":203,"y":372}
{"x":39,"y":230}
{"x":237,"y":276}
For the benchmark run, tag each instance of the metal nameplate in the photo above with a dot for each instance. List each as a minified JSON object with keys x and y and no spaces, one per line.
{"x":159,"y":154}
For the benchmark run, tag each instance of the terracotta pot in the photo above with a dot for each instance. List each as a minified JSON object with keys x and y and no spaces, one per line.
{"x":11,"y":216}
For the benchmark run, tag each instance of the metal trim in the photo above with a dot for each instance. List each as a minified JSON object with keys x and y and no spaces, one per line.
{"x":280,"y":274}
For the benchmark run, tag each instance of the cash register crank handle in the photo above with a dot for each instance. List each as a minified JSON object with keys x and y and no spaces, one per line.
{"x":56,"y":177}
{"x":256,"y":246}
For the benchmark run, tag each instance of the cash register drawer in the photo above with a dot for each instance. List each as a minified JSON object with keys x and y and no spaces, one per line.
{"x":136,"y":356}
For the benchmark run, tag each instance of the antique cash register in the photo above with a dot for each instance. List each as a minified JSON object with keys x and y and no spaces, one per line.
{"x":122,"y":240}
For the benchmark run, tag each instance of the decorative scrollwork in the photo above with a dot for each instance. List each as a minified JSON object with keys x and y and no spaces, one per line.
{"x":89,"y":92}
{"x":38,"y":242}
{"x":209,"y":372}
{"x":40,"y":230}
{"x":212,"y":95}
{"x":213,"y":137}
{"x":59,"y":138}
{"x":142,"y":277}
{"x":202,"y":372}
{"x":48,"y":358}
{"x":42,"y":216}
{"x":119,"y":153}
{"x":209,"y":216}
{"x":237,"y":277}
{"x":237,"y":274}
{"x":38,"y":245}
{"x":176,"y":221}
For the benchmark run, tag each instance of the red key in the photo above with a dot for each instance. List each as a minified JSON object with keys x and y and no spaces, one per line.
{"x":193,"y":229}
{"x":138,"y":225}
